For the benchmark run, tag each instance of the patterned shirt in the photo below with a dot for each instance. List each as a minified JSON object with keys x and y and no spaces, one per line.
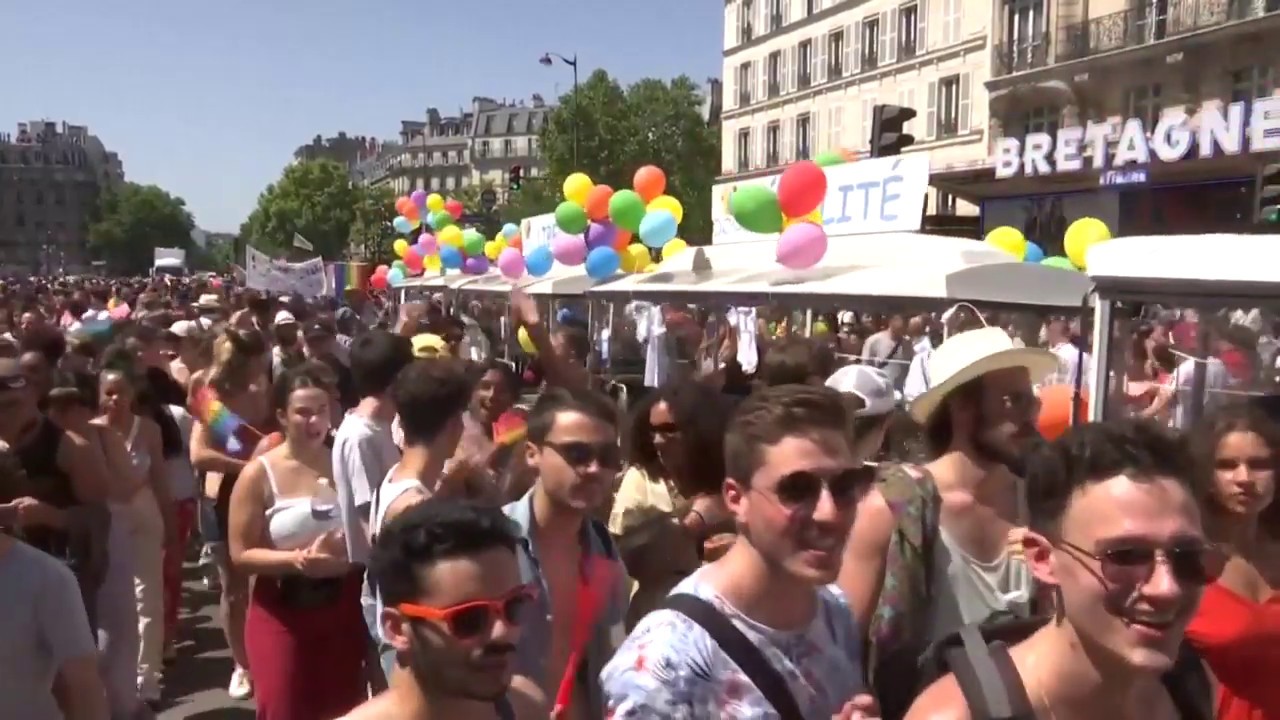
{"x":670,"y":668}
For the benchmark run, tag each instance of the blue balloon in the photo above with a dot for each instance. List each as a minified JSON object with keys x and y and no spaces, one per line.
{"x":450,"y":257}
{"x":657,"y":228}
{"x":402,"y":225}
{"x":602,"y":262}
{"x":1035,"y":253}
{"x":510,"y":230}
{"x":394,"y":276}
{"x":539,"y":261}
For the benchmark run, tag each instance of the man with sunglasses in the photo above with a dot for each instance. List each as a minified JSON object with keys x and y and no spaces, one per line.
{"x":454,"y":608}
{"x":756,"y":634}
{"x":1117,"y":535}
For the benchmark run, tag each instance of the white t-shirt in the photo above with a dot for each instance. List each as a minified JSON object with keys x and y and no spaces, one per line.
{"x":1216,"y":377}
{"x":363,"y":454}
{"x":182,"y":477}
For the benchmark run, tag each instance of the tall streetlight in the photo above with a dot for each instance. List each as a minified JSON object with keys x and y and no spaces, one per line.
{"x":546,"y":60}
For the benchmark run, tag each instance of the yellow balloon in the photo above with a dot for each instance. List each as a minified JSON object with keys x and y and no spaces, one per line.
{"x":451,"y":235}
{"x":635,"y":257}
{"x":668,"y":203}
{"x":576,"y":188}
{"x":435,"y":202}
{"x":431,"y":262}
{"x":1009,"y":239}
{"x":526,"y":342}
{"x":814,"y":217}
{"x":493,"y":249}
{"x":820,"y":328}
{"x":400,"y":247}
{"x":674,"y":247}
{"x":1082,"y":235}
{"x":651,"y":267}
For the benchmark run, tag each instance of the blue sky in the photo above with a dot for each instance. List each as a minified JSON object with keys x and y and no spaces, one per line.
{"x":209,"y":99}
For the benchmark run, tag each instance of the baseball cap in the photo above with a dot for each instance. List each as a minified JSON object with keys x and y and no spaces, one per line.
{"x":429,"y":345}
{"x":184,"y":328}
{"x":284,"y":317}
{"x":870,"y":384}
{"x":315,"y":331}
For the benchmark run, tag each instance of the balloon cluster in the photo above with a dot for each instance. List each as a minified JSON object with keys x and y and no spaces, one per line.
{"x":795,"y":210}
{"x":597,"y":224}
{"x":1080,"y":236}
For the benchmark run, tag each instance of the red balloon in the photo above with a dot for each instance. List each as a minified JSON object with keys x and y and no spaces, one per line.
{"x":381,"y":270}
{"x":454,"y":208}
{"x":412,"y":260}
{"x":378,"y":281}
{"x":801,"y":189}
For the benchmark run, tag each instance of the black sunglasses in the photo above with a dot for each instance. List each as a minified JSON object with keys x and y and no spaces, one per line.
{"x":804,"y":487}
{"x":582,"y":454}
{"x":1133,"y":565}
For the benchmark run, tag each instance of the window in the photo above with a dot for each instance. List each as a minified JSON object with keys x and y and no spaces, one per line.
{"x":1249,"y":84}
{"x":810,"y":7}
{"x":488,"y":124}
{"x":511,"y":123}
{"x":775,"y":15}
{"x":744,"y":21}
{"x":59,"y":196}
{"x":870,"y":43}
{"x":744,"y":84}
{"x":951,"y":21}
{"x":804,"y":64}
{"x":533,"y":147}
{"x":946,"y":203}
{"x":1024,"y":24}
{"x":948,"y":104}
{"x":1036,"y":120}
{"x":484,"y":148}
{"x":39,"y":197}
{"x":835,"y":54}
{"x":772,"y":144}
{"x":508,"y":148}
{"x":774,"y":66}
{"x":834,"y":128}
{"x":744,"y":149}
{"x":908,"y":31}
{"x":803,"y":137}
{"x":1143,"y":102}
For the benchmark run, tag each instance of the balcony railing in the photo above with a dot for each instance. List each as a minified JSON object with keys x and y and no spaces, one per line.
{"x":835,"y":70}
{"x":803,"y":81}
{"x":1152,"y":23}
{"x":906,"y":49}
{"x":744,"y":98}
{"x":775,"y":89}
{"x":870,"y":60}
{"x":1019,"y":56}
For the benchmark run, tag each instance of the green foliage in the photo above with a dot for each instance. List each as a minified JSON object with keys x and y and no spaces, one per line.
{"x":133,"y":220}
{"x":536,"y":196}
{"x":650,"y":123}
{"x":317,"y":200}
{"x":215,"y":257}
{"x":371,"y":232}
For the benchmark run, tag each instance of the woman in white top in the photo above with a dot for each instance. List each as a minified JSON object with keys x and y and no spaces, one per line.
{"x":304,"y":633}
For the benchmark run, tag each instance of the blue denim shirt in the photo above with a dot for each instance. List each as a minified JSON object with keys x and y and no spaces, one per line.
{"x":535,"y":642}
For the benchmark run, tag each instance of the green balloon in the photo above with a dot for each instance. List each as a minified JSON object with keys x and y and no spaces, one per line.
{"x":570,"y":217}
{"x":472,"y":242}
{"x":755,"y":207}
{"x":626,"y":210}
{"x":829,"y":158}
{"x":399,"y":265}
{"x":440,"y":220}
{"x":1057,"y":261}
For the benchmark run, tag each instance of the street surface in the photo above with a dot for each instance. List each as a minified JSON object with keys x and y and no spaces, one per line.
{"x":195,"y":685}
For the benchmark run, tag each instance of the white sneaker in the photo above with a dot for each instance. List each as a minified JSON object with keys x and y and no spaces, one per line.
{"x":241,"y":687}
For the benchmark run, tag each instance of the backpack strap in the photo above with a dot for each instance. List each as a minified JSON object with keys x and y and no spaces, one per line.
{"x":987,"y":678}
{"x":1189,"y":686}
{"x":744,"y":653}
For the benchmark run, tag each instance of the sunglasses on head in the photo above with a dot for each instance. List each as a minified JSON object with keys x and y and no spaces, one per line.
{"x":469,"y":620}
{"x":1131,"y":565}
{"x":803,"y":487}
{"x":582,"y":454}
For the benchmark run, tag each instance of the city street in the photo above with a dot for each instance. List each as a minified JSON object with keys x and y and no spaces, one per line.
{"x":195,"y":686}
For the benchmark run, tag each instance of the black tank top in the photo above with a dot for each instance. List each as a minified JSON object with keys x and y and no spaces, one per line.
{"x":49,"y":484}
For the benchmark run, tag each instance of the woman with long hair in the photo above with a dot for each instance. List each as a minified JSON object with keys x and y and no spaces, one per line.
{"x":1237,"y":627}
{"x":304,"y":632}
{"x":237,"y":378}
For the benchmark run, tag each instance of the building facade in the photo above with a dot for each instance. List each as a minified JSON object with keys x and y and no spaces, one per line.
{"x":1074,"y":64}
{"x":348,"y":151}
{"x":801,"y":77}
{"x":51,"y":176}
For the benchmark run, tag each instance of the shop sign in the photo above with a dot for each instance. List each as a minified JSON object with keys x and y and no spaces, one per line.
{"x":1217,"y":131}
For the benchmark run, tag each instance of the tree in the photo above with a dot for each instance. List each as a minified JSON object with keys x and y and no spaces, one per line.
{"x":315,"y":199}
{"x":371,"y":232}
{"x":652,"y":122}
{"x":133,"y":220}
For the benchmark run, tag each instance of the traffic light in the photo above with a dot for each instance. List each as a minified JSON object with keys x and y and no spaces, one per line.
{"x":514,"y":176}
{"x":887,"y":137}
{"x":1269,"y":198}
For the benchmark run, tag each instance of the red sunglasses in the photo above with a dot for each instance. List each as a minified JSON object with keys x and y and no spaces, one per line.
{"x":470,"y":619}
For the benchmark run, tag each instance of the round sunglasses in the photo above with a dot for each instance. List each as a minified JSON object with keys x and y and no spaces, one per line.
{"x":468,"y":620}
{"x":1131,"y":565}
{"x":803,"y":487}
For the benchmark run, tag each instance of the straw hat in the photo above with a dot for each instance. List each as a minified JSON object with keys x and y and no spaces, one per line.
{"x":972,"y":354}
{"x":209,"y":301}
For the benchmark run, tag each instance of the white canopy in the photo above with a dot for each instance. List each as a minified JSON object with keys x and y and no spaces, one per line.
{"x":1000,"y":283}
{"x":1175,"y":268}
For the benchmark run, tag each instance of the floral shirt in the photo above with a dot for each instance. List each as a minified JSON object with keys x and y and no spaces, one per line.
{"x":669,"y":667}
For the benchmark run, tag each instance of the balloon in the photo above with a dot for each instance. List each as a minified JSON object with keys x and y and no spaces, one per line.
{"x":621,"y":238}
{"x":401,"y":204}
{"x":435,"y":202}
{"x":1009,"y":239}
{"x":454,"y":208}
{"x":426,"y":244}
{"x":814,"y":217}
{"x":411,"y":212}
{"x":450,"y":257}
{"x":451,"y":236}
{"x":651,"y":267}
{"x":602,"y":262}
{"x":396,"y":276}
{"x":491,"y":249}
{"x":1035,"y":253}
{"x":626,"y":210}
{"x":1055,"y":409}
{"x":601,"y":234}
{"x":755,"y":207}
{"x":400,"y":247}
{"x":820,"y":327}
{"x":431,"y":263}
{"x":1082,"y":235}
{"x":397,"y":265}
{"x":402,"y":226}
{"x":635,"y":257}
{"x":378,"y":281}
{"x":525,"y":342}
{"x":649,"y":182}
{"x":515,"y":241}
{"x":439,"y":220}
{"x":472,"y":242}
{"x":475,"y":265}
{"x":801,"y":188}
{"x":668,"y":203}
{"x":510,"y":230}
{"x":511,"y":263}
{"x":576,"y":188}
{"x":597,"y":204}
{"x":418,"y":198}
{"x":413,"y":261}
{"x":568,"y":249}
{"x":539,"y":260}
{"x":657,"y":228}
{"x":1057,"y":261}
{"x":381,"y":270}
{"x":673,"y":248}
{"x":570,"y":217}
{"x":829,"y":158}
{"x":802,"y":245}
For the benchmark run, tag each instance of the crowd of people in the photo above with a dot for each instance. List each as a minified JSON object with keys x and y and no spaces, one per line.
{"x":394,"y":534}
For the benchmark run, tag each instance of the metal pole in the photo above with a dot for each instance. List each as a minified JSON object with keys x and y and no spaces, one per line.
{"x":576,"y":100}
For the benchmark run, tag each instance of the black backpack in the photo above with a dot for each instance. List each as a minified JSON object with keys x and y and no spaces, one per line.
{"x":978,"y":656}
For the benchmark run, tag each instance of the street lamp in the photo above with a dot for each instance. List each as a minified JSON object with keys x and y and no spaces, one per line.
{"x":547,"y":61}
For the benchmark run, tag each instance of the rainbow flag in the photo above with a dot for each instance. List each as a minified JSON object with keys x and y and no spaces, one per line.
{"x":348,"y":276}
{"x":510,"y":428}
{"x":224,"y":424}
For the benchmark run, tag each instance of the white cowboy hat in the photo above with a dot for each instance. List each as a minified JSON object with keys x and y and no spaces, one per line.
{"x":972,"y":354}
{"x":209,"y":301}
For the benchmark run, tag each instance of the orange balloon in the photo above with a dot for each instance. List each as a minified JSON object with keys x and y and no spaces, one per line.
{"x":1055,"y":409}
{"x":401,"y":203}
{"x":516,"y":242}
{"x":410,"y":211}
{"x":650,"y":182}
{"x":622,"y":240}
{"x":597,"y":205}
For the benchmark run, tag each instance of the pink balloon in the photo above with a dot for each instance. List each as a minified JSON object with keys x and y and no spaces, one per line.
{"x":569,"y":249}
{"x":511,"y":263}
{"x":427,"y":244}
{"x":802,"y":245}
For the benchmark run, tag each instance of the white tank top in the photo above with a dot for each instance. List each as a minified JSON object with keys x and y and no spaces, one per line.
{"x":383,"y":498}
{"x":140,"y":457}
{"x":294,"y":523}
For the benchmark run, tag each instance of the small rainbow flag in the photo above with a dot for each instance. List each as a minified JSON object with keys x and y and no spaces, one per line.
{"x":348,"y":276}
{"x":224,"y":424}
{"x":510,"y":428}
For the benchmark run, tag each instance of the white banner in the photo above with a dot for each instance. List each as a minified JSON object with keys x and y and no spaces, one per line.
{"x":306,"y":278}
{"x":866,"y":196}
{"x":537,"y":231}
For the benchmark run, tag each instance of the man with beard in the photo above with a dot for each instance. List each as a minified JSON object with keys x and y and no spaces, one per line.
{"x":454,"y":606}
{"x":1117,"y":533}
{"x":932,"y":547}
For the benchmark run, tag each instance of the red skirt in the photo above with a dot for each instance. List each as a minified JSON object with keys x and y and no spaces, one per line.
{"x":306,"y":660}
